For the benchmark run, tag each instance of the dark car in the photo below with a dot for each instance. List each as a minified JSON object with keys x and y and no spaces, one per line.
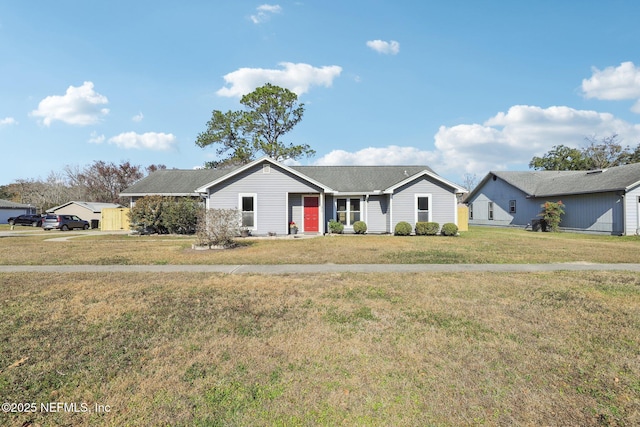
{"x":32,"y":220}
{"x":64,"y":222}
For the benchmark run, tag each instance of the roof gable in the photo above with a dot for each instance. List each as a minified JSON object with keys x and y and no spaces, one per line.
{"x":205,"y":187}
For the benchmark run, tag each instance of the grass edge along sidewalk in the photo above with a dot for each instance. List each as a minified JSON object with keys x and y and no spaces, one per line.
{"x":319,"y":268}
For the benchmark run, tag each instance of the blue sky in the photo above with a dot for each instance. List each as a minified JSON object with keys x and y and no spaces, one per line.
{"x":461,"y":86}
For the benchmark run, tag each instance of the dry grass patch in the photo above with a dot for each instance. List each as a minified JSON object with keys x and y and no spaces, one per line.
{"x":480,"y":245}
{"x":413,"y":349}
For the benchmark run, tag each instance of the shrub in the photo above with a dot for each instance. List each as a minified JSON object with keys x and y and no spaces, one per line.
{"x":359,"y":227}
{"x":218,"y":227}
{"x":336,"y":227}
{"x":161,"y":214}
{"x":402,"y":229}
{"x":449,"y":229}
{"x":551,"y":214}
{"x":427,"y":228}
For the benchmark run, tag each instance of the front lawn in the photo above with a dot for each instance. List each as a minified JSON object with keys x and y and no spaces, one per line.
{"x":341,"y":349}
{"x":479,"y":245}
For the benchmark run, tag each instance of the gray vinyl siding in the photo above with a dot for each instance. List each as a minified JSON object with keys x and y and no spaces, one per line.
{"x":632,"y":212}
{"x":443,"y":202}
{"x":596,"y":213}
{"x":272,"y":189}
{"x":329,"y":212}
{"x":378,"y":214}
{"x":501,"y":193}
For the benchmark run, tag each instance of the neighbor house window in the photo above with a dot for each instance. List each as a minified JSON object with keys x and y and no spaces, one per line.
{"x":348,"y":211}
{"x":512,"y":206}
{"x":248,"y":204}
{"x":490,"y":210}
{"x":423,"y":207}
{"x":471,"y":211}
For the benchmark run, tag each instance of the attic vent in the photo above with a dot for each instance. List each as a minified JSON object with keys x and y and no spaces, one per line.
{"x":266,"y":168}
{"x":595,"y":171}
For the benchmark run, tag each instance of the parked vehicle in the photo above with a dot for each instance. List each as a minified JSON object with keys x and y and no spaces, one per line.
{"x":32,"y":220}
{"x":64,"y":222}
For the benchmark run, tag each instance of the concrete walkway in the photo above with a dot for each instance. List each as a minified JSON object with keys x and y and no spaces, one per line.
{"x":319,"y":268}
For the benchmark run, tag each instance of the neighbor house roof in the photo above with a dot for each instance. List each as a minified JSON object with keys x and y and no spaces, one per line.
{"x":8,"y":204}
{"x":561,"y":183}
{"x":95,"y":207}
{"x":333,"y":179}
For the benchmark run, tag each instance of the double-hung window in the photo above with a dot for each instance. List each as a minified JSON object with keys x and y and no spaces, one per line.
{"x":248,"y":204}
{"x":348,"y":211}
{"x":423,"y":207}
{"x":512,"y":206}
{"x":490,"y":213}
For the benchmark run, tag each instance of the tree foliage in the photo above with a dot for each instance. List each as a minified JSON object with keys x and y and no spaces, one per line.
{"x":162,"y":214}
{"x":240,"y":136}
{"x":98,"y":182}
{"x":597,"y":154}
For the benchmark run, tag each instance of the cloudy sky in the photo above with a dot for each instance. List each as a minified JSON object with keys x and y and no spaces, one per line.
{"x":461,"y":86}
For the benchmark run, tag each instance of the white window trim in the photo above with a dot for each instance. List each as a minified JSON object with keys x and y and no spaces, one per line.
{"x":429,"y":206}
{"x":255,"y":208}
{"x":490,"y":211}
{"x":348,"y":199}
{"x":511,"y":211}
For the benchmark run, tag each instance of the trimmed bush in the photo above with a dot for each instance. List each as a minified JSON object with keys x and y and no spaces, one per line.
{"x":359,"y":227}
{"x":335,"y":227}
{"x":427,"y":228}
{"x":402,"y":229}
{"x":449,"y":229}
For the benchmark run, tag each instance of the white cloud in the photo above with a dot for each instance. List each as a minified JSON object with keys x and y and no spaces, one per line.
{"x":264,"y":13}
{"x":505,"y":141}
{"x":513,"y":138}
{"x":78,"y":106}
{"x":381,"y":46}
{"x":296,"y":77}
{"x":613,"y":83}
{"x":96,"y":139}
{"x":390,"y":155}
{"x":8,"y":121}
{"x":138,"y":117}
{"x":148,"y":141}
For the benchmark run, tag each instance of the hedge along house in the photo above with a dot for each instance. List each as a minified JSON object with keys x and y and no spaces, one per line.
{"x":603,"y":201}
{"x":271,"y":195}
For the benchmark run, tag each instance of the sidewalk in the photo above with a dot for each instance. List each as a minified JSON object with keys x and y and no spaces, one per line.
{"x":319,"y":268}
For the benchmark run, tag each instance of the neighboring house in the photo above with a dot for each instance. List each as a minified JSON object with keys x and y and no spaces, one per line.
{"x":9,"y":209}
{"x":89,"y":211}
{"x":271,"y":195}
{"x":600,"y":201}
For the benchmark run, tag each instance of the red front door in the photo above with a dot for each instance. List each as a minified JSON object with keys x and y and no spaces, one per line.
{"x":311,"y":210}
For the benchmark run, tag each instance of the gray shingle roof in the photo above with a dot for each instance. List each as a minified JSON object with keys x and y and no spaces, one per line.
{"x":340,"y":178}
{"x":8,"y":204}
{"x":560,"y":183}
{"x":360,"y":178}
{"x":176,"y":182}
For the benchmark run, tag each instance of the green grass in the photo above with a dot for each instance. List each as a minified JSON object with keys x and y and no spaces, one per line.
{"x":339,"y":349}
